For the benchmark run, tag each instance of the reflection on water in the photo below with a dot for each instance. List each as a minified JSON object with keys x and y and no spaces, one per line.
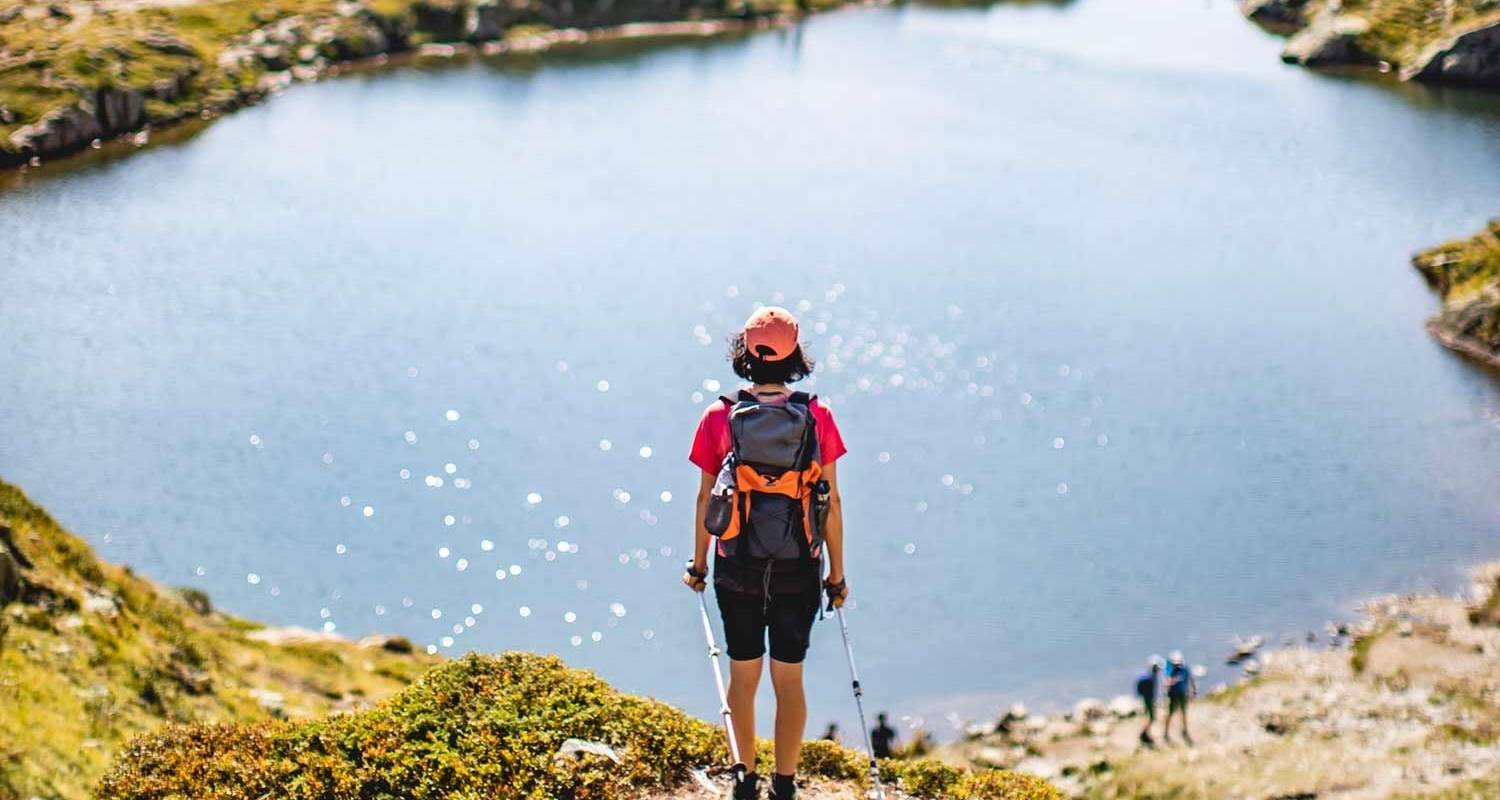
{"x":1120,"y":332}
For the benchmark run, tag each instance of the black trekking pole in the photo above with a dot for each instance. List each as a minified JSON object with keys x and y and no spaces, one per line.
{"x":876,"y":790}
{"x":738,"y":769}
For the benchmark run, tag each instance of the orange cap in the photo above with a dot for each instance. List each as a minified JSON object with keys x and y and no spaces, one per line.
{"x":771,"y":333}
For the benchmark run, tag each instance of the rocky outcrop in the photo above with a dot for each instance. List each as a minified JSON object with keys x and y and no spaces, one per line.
{"x":1329,"y":39}
{"x":105,"y":113}
{"x":1277,"y":15}
{"x":1467,"y":273}
{"x":1469,"y":56}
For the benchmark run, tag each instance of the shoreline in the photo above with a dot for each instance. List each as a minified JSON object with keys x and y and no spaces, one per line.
{"x":124,"y":119}
{"x":1396,"y":706}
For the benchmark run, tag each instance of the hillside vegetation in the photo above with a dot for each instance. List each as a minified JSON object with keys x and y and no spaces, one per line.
{"x":1467,"y":274}
{"x":96,"y":654}
{"x":114,"y":687}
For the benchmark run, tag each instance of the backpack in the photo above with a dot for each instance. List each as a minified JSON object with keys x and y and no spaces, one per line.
{"x":770,"y":501}
{"x":1145,"y":686}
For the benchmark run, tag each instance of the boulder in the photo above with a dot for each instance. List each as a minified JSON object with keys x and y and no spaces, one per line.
{"x":1470,"y":56}
{"x":486,"y":21}
{"x":1328,"y":39}
{"x":1275,"y":14}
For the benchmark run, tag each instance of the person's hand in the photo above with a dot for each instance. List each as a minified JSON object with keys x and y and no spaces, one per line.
{"x":837,"y":590}
{"x":695,"y":576}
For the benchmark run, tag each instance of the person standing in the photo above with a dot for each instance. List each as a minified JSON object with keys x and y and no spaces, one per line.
{"x":768,"y":503}
{"x":1148,"y":687}
{"x":1181,"y":687}
{"x":883,"y":737}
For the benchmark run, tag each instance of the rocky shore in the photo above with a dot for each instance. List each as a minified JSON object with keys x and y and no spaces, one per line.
{"x":1403,"y":704}
{"x":1466,"y":272}
{"x":1433,"y":41}
{"x":76,"y":74}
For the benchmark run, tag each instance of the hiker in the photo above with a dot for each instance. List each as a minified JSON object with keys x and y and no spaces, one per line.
{"x":768,"y":501}
{"x":882,"y":737}
{"x":832,"y":734}
{"x":1181,"y":687}
{"x":1148,"y":687}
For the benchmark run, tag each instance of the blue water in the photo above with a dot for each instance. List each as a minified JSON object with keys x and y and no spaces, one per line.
{"x":1113,"y":308}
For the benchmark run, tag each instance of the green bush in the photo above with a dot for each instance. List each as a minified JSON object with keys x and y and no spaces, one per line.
{"x":478,"y":727}
{"x":926,"y":778}
{"x":1004,"y":785}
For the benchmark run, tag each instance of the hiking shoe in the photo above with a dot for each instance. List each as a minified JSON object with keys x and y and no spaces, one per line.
{"x":747,"y":788}
{"x":783,"y":787}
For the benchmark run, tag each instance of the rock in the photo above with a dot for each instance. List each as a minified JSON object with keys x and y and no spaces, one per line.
{"x":1275,"y":14}
{"x":291,"y":635}
{"x":486,"y":20}
{"x":1329,"y":39}
{"x":1124,"y":706}
{"x":197,"y":600}
{"x":1470,"y":56}
{"x":393,"y":644}
{"x":580,"y":747}
{"x":443,"y":21}
{"x":1088,"y":709}
{"x":163,"y":42}
{"x":273,"y":57}
{"x":269,"y":700}
{"x":104,"y":605}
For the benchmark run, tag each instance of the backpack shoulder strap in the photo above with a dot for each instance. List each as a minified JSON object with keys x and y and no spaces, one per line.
{"x":801,"y":398}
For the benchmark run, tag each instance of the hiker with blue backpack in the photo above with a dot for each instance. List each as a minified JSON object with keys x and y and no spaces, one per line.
{"x":1181,"y":687}
{"x":768,"y":505}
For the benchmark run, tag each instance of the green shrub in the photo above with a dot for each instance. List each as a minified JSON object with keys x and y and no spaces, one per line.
{"x":478,"y":727}
{"x":926,"y":778}
{"x":1004,"y":785}
{"x":822,"y":757}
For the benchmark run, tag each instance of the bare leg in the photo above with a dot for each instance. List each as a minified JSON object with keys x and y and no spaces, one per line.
{"x":791,"y":714}
{"x":744,"y":679}
{"x":1185,"y":736}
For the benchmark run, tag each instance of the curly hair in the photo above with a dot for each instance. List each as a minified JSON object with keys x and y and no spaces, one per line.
{"x":752,"y":368}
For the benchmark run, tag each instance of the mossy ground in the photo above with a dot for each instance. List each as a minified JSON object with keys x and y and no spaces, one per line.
{"x":1467,"y":274}
{"x":98,"y":654}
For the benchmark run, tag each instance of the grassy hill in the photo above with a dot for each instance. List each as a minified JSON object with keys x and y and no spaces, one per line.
{"x":96,"y":654}
{"x":115,"y":687}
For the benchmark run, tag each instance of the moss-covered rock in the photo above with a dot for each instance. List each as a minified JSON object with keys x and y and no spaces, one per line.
{"x":1451,"y":41}
{"x":1467,"y":274}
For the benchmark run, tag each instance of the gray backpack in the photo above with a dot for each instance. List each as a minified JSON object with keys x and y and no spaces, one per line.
{"x":769,"y":501}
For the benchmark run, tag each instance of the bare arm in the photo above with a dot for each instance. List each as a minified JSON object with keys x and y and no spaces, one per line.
{"x":700,"y":531}
{"x":833,"y":534}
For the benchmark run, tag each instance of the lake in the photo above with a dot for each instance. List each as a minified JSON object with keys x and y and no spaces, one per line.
{"x":1113,"y":307}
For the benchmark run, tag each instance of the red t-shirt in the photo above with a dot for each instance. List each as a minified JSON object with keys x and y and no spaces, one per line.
{"x":711,"y":443}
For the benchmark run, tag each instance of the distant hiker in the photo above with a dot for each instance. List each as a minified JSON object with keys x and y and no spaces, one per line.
{"x":768,"y":501}
{"x":1148,"y":687}
{"x":883,"y":737}
{"x":832,"y":734}
{"x":1181,"y":687}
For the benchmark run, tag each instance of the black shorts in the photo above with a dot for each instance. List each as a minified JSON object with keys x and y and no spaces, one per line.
{"x":747,"y":618}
